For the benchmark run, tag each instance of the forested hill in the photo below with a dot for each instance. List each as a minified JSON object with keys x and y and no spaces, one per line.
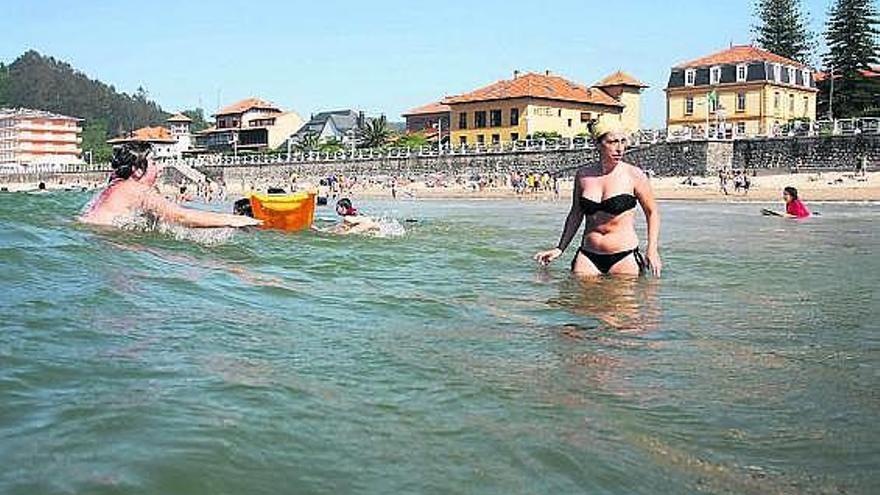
{"x":39,"y":82}
{"x":44,"y":83}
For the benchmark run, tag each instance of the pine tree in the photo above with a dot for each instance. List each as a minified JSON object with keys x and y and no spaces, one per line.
{"x":851,"y":33}
{"x":782,"y":29}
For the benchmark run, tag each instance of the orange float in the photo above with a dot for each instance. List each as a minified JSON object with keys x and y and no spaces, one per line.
{"x":290,"y":212}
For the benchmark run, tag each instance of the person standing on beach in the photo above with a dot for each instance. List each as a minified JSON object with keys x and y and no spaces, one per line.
{"x":606,"y":195}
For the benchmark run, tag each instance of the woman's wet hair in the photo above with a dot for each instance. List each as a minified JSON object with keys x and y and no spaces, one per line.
{"x":129,"y":157}
{"x":791,"y":192}
{"x":344,"y":203}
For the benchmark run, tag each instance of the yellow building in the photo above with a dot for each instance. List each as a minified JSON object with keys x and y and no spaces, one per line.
{"x":743,"y":91}
{"x":516,"y":109}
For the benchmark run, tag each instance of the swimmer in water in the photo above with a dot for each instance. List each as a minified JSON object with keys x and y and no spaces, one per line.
{"x":352,"y":222}
{"x":130,"y":193}
{"x":606,"y":195}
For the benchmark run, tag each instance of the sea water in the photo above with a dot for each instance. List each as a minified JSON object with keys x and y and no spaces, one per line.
{"x":440,"y":359}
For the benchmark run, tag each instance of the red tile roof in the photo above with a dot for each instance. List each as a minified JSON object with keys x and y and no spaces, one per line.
{"x":620,"y":78}
{"x":871,"y":73}
{"x":738,"y":54}
{"x":145,"y":134}
{"x":179,"y":117}
{"x":533,"y":85}
{"x":430,"y":108}
{"x":245,"y":105}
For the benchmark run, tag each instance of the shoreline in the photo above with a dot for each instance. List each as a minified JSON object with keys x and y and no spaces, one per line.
{"x":828,"y":187}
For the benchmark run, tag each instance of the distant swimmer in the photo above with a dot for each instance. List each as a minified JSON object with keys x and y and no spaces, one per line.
{"x":794,"y":207}
{"x":352,"y":222}
{"x":130,"y":194}
{"x":606,"y":194}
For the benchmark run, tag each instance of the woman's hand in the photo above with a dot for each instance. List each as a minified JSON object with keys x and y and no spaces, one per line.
{"x":654,"y":263}
{"x":547,"y":257}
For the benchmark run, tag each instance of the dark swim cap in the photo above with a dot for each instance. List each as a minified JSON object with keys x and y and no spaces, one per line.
{"x":791,"y":192}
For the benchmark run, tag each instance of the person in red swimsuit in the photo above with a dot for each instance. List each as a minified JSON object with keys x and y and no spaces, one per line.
{"x":794,"y":207}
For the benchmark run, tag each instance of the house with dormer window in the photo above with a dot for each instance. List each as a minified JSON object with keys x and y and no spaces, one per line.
{"x":743,"y":91}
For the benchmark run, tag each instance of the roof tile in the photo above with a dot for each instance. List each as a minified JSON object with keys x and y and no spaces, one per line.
{"x":533,"y":85}
{"x":737,"y":54}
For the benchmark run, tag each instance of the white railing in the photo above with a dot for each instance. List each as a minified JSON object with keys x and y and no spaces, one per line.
{"x":527,"y":146}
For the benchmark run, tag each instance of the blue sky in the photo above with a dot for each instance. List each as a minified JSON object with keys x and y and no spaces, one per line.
{"x":380,"y":56}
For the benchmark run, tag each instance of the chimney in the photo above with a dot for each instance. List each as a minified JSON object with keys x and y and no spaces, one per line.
{"x":515,"y":74}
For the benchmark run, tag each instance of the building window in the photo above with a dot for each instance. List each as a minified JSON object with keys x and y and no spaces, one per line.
{"x":514,"y":116}
{"x":741,"y":102}
{"x":791,"y":103}
{"x":715,"y":75}
{"x":689,"y":77}
{"x":496,"y":138}
{"x":559,"y":113}
{"x":776,"y":100}
{"x":569,"y":122}
{"x":480,"y":119}
{"x":806,"y":75}
{"x":480,"y":139}
{"x":806,"y":106}
{"x":586,"y":117}
{"x":741,"y":71}
{"x":791,"y":75}
{"x":462,"y":120}
{"x":462,"y":140}
{"x":689,"y":105}
{"x":713,"y":104}
{"x":514,"y":136}
{"x":740,"y":128}
{"x":495,"y":118}
{"x":777,"y":72}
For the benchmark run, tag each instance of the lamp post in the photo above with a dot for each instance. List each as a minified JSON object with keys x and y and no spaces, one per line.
{"x":831,"y":95}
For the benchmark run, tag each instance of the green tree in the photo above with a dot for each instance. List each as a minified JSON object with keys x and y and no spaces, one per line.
{"x":198,"y":119}
{"x":4,"y":84}
{"x":546,"y":135}
{"x":851,"y":34}
{"x":331,"y":145}
{"x":782,"y":29}
{"x":309,"y":142}
{"x":374,"y":134}
{"x":94,"y":140}
{"x":412,"y":140}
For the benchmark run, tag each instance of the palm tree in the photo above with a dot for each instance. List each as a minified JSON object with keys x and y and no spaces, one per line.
{"x":309,"y":142}
{"x":374,"y":134}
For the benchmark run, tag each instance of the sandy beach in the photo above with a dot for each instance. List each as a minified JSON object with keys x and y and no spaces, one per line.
{"x":827,"y":186}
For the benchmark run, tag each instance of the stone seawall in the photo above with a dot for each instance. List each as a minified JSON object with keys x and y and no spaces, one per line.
{"x":664,"y":159}
{"x":831,"y":153}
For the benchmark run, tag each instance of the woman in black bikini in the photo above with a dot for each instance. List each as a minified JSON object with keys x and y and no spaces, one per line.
{"x":606,"y":195}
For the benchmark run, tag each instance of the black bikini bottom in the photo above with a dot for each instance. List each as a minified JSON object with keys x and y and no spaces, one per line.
{"x":604,"y":262}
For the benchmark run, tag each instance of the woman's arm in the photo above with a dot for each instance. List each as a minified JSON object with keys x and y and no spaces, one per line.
{"x":171,"y":212}
{"x":645,"y":194}
{"x":569,"y":230}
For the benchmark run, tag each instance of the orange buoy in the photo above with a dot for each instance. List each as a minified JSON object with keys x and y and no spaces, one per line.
{"x":290,"y":212}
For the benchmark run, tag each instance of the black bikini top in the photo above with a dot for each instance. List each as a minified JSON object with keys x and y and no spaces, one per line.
{"x":615,"y":205}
